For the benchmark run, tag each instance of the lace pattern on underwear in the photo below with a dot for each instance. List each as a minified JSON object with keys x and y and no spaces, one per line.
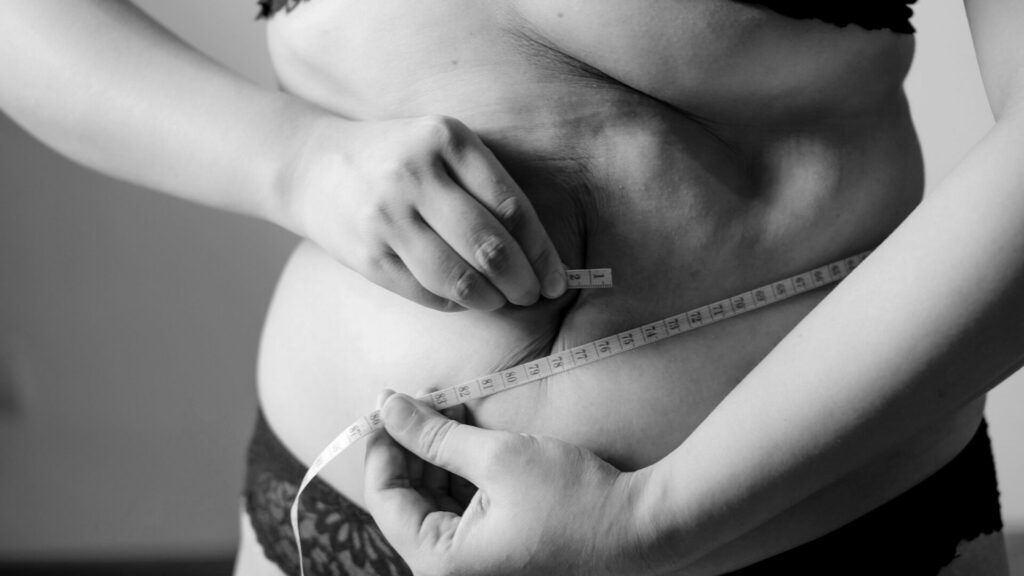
{"x":270,"y":7}
{"x":338,"y":537}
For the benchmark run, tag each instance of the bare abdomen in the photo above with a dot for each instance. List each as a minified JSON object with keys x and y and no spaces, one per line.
{"x":333,"y":340}
{"x":685,"y":211}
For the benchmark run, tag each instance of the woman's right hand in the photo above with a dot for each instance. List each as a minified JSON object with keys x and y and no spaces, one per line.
{"x":421,"y":207}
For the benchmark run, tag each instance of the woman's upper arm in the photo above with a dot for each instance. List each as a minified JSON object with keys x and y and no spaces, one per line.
{"x":34,"y":34}
{"x":105,"y":85}
{"x":104,"y":52}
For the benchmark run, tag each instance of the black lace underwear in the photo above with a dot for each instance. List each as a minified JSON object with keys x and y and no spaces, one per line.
{"x":916,"y":533}
{"x":339,"y":538}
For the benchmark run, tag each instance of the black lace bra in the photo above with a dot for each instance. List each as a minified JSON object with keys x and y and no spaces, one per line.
{"x":869,"y":14}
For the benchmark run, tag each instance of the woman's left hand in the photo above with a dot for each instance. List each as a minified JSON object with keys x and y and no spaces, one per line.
{"x":541,"y":507}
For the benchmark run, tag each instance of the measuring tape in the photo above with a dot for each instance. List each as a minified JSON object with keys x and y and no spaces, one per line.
{"x":589,"y":278}
{"x":585,"y":353}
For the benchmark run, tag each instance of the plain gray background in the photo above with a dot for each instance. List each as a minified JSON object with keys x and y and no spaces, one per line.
{"x":129,"y":324}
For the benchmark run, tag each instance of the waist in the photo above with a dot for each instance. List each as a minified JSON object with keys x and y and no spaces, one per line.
{"x":631,"y":409}
{"x":333,"y":340}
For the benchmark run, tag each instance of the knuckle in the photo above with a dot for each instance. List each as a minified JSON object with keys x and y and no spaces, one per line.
{"x":433,"y":437}
{"x":382,"y":212}
{"x":511,"y":211}
{"x":444,"y":132}
{"x":438,"y":127}
{"x":401,"y":172}
{"x":502,"y":451}
{"x":493,"y":255}
{"x":465,"y":284}
{"x":374,"y":262}
{"x":386,"y":214}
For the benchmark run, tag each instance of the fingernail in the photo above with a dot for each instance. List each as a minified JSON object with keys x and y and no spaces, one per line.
{"x":526,"y":299}
{"x":383,"y":396}
{"x":397,"y":409}
{"x":555,"y":284}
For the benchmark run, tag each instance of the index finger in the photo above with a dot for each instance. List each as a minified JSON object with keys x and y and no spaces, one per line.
{"x":477,"y":171}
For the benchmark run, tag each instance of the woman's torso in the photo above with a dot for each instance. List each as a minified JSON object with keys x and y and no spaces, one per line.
{"x":699,"y":149}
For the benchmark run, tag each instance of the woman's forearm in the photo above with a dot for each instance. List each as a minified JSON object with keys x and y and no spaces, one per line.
{"x":105,"y":85}
{"x":928,"y":323}
{"x":419,"y":206}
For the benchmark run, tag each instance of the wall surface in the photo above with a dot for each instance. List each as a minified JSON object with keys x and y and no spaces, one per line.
{"x":129,"y":324}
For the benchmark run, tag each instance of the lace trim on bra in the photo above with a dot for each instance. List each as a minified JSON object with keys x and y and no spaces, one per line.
{"x":892,"y":15}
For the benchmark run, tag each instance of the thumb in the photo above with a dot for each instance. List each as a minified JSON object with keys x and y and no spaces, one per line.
{"x":438,"y":440}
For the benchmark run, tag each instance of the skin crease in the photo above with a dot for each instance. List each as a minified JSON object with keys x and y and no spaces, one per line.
{"x":716,"y":136}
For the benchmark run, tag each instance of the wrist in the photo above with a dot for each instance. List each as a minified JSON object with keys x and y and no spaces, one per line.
{"x":667,"y":537}
{"x":649,"y":522}
{"x":285,"y":146}
{"x":302,"y":136}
